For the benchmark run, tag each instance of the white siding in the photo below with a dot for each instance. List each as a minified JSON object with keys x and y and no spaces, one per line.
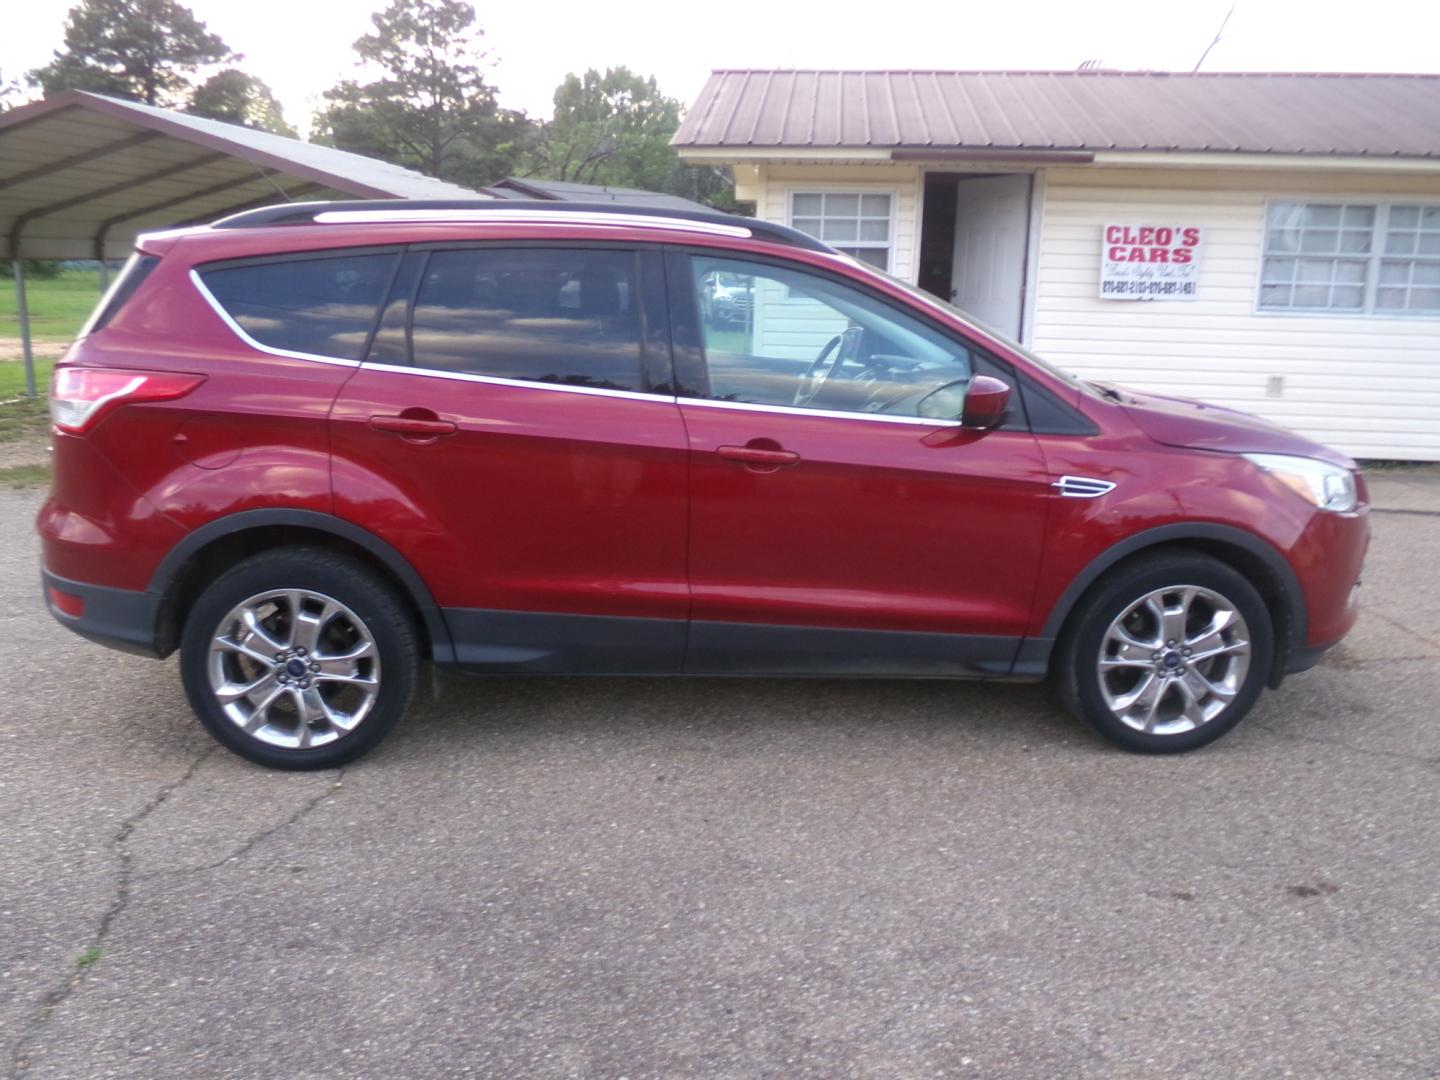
{"x":792,"y":328}
{"x":901,"y":181}
{"x":1367,"y":385}
{"x":797,"y":328}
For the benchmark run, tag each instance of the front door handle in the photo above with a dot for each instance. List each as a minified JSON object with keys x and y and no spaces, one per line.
{"x":759,"y":455}
{"x":413,"y":426}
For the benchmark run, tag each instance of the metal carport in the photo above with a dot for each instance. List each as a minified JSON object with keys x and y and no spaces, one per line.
{"x":82,"y":174}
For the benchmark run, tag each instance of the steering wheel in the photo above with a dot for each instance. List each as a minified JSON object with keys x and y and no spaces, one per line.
{"x":842,"y":345}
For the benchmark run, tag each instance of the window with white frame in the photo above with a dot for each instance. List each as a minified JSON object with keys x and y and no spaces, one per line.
{"x":857,"y":223}
{"x":1363,"y":258}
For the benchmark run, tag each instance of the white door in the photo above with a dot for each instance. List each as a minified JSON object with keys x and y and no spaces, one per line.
{"x":987,"y":280}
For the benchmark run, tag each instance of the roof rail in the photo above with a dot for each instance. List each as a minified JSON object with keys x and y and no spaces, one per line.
{"x":513,"y":210}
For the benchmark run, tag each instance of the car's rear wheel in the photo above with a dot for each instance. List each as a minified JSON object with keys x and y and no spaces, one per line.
{"x":1167,"y":653}
{"x":299,"y":659}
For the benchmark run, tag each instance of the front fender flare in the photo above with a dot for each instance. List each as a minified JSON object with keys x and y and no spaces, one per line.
{"x":1033,"y":659}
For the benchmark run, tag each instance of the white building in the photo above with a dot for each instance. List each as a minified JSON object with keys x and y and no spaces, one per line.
{"x":1266,"y":241}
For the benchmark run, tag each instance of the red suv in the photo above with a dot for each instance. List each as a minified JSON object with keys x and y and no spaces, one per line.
{"x":312,"y":446}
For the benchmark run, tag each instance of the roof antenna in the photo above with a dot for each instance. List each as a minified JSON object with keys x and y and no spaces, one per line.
{"x":1216,"y":40}
{"x":1091,"y":65}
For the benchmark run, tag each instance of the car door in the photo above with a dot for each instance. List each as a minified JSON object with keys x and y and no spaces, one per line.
{"x":851,"y":526}
{"x":512,"y":432}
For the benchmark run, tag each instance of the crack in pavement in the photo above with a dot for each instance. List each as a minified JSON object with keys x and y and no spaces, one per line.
{"x":173,"y":877}
{"x":19,"y":1063}
{"x":1398,"y":510}
{"x":260,"y":837}
{"x":1398,"y":625}
{"x":1395,"y":755}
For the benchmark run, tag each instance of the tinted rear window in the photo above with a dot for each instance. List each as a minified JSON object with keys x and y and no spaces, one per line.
{"x":563,"y":316}
{"x":321,"y":306}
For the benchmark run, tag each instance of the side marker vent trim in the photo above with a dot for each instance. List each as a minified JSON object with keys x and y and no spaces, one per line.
{"x":1082,"y":487}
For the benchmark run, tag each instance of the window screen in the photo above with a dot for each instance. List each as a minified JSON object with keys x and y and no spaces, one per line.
{"x":1380,"y":259}
{"x":322,"y":306}
{"x":1317,"y":256}
{"x":1410,"y":269}
{"x":856,"y":223}
{"x":568,"y":317}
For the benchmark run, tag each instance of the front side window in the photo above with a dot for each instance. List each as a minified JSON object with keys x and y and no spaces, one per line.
{"x":1362,"y":258}
{"x":777,"y":336}
{"x":557,"y":316}
{"x":856,"y":223}
{"x":323,"y":306}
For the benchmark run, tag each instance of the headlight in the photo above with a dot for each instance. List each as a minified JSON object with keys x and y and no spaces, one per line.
{"x":1327,"y":486}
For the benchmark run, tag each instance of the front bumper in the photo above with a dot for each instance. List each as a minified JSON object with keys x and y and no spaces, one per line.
{"x":120,"y":618}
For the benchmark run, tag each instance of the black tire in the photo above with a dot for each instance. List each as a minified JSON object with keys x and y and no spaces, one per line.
{"x":1079,"y":680}
{"x":386,"y":635}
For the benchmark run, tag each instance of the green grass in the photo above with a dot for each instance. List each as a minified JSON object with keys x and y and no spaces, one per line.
{"x":25,"y":477}
{"x":727,"y":341}
{"x":26,"y":418}
{"x":22,"y":417}
{"x":57,"y":307}
{"x":88,"y":957}
{"x":12,"y":378}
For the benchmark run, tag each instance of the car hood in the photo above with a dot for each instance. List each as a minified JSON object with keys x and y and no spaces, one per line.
{"x":1195,"y":425}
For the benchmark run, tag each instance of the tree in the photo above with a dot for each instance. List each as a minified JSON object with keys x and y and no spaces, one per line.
{"x":238,"y":98}
{"x":430,"y":108}
{"x":8,"y":90}
{"x":144,"y":50}
{"x":609,"y":129}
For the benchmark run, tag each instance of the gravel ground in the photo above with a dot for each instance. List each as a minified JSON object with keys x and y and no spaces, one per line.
{"x":716,"y":879}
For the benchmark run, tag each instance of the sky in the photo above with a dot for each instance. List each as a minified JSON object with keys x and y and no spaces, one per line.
{"x":303,"y":48}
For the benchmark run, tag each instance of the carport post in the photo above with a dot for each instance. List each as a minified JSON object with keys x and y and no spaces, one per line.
{"x":24,"y":312}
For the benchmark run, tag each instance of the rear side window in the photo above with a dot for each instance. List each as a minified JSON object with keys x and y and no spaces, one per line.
{"x":135,"y":271}
{"x":321,"y":306}
{"x":559,"y":316}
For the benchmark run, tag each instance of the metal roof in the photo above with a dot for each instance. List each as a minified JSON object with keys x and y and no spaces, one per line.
{"x":527,"y":187}
{"x":1327,"y":114}
{"x":81,"y":174}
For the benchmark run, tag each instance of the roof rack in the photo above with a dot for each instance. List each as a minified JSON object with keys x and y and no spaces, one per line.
{"x":516,"y":210}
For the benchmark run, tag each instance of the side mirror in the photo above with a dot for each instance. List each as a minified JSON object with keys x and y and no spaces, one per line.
{"x":985,"y":402}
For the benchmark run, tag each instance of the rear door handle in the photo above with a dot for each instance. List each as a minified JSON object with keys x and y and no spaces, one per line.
{"x":757,"y":455}
{"x":413,"y":426}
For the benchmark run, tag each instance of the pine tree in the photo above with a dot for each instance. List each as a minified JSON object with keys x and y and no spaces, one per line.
{"x":144,"y":50}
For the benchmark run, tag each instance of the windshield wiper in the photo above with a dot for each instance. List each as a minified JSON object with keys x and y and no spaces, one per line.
{"x":1108,"y":391}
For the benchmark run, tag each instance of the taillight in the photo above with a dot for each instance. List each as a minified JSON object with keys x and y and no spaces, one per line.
{"x":79,"y":396}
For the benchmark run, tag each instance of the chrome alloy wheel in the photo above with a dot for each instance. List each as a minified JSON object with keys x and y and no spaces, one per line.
{"x":1174,"y":660}
{"x":294,"y":669}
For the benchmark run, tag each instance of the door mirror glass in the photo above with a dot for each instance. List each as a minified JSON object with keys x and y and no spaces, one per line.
{"x":986,"y":402}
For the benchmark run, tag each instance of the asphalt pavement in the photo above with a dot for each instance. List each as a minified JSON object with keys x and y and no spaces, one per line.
{"x":651,"y":878}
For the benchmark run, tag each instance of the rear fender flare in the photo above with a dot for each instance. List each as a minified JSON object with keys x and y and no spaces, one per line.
{"x":442,"y":646}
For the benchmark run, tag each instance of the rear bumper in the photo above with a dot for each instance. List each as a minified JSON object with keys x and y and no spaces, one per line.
{"x":120,"y":618}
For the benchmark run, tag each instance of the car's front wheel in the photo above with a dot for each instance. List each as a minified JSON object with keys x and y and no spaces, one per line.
{"x":1167,"y":653}
{"x":299,"y":658}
